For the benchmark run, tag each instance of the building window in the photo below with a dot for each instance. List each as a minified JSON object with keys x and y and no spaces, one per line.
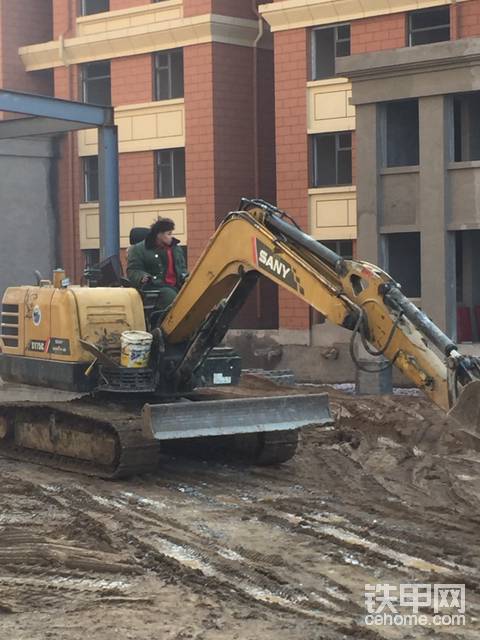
{"x":327,"y":45}
{"x":96,"y":85}
{"x":402,"y":139}
{"x":89,"y":7}
{"x":429,"y":25}
{"x":331,"y":159}
{"x":466,"y":122}
{"x":343,"y":248}
{"x":405,"y":271}
{"x":170,"y":173}
{"x":90,"y":179}
{"x":169,"y":74}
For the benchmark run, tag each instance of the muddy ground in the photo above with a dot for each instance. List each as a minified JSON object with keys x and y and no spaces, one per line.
{"x":209,"y":551}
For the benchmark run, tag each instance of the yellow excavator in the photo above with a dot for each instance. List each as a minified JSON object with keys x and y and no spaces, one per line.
{"x":67,"y":339}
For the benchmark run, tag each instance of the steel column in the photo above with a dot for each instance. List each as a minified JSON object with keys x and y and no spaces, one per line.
{"x":108,"y":192}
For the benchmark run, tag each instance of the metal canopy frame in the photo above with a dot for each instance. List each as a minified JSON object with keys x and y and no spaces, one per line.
{"x":50,"y":116}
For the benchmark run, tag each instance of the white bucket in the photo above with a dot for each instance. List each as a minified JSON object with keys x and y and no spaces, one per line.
{"x":135,"y":349}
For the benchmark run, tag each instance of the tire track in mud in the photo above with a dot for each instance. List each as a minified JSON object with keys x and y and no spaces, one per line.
{"x":300,"y":540}
{"x":256,"y":575}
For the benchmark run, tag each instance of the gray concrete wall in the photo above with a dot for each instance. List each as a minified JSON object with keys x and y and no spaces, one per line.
{"x":27,"y":213}
{"x":400,"y":202}
{"x":437,"y":197}
{"x":325,"y":359}
{"x":464,"y":178}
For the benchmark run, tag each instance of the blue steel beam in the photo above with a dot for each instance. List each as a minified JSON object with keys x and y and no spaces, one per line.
{"x":108,"y":192}
{"x":23,"y":127}
{"x":33,"y":105}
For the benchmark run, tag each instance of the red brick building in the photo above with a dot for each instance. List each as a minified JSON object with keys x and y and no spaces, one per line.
{"x":210,"y":109}
{"x":317,"y":161}
{"x":192,"y":85}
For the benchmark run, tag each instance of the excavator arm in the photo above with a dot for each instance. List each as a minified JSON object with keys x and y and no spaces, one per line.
{"x":261,"y":239}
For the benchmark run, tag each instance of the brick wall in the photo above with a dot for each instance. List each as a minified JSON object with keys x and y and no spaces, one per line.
{"x":266,"y":125}
{"x":234,"y":8}
{"x":23,"y":22}
{"x":69,"y":181}
{"x":220,"y":143}
{"x":64,"y":16}
{"x":468,"y":18}
{"x":233,"y":125}
{"x":137,"y":176}
{"x":196,"y":7}
{"x":198,"y":78}
{"x":234,"y":146}
{"x":292,"y":150}
{"x":117,"y":5}
{"x":132,"y":79}
{"x":390,"y":32}
{"x":381,"y":32}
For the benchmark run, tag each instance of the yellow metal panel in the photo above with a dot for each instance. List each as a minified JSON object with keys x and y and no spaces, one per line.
{"x":328,"y":106}
{"x":127,"y":222}
{"x":125,"y":130}
{"x":92,"y":225}
{"x":104,"y":313}
{"x":294,"y":14}
{"x":352,"y":212}
{"x":37,"y":321}
{"x":333,"y":213}
{"x":126,"y":18}
{"x":64,"y":330}
{"x":142,"y":127}
{"x":141,"y":36}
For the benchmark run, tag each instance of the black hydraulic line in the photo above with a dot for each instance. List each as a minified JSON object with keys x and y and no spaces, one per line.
{"x":215,"y":327}
{"x":275,"y":221}
{"x":395,"y":299}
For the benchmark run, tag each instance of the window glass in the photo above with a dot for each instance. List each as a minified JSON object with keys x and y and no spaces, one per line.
{"x":90,"y":179}
{"x":169,"y":74}
{"x":331,"y":158}
{"x":96,"y":83}
{"x":328,"y":44}
{"x":466,"y":126}
{"x":428,"y":26}
{"x":171,"y":173}
{"x":89,"y":7}
{"x":406,"y":272}
{"x":402,"y":138}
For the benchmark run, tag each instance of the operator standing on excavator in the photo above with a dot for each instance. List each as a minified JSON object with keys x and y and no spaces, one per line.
{"x":158,"y":263}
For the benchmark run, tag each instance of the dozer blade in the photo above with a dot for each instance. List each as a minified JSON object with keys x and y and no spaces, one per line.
{"x":238,"y":416}
{"x":467,"y":413}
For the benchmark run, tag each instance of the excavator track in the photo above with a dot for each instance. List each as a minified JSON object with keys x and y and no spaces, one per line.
{"x":105,"y":439}
{"x":79,"y":438}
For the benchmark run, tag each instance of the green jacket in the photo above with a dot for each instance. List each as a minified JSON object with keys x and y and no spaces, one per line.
{"x":153,"y":262}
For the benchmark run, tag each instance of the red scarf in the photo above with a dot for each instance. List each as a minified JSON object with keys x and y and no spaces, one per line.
{"x":171,"y":276}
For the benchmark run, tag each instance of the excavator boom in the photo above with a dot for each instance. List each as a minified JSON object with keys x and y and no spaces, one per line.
{"x":261,"y":239}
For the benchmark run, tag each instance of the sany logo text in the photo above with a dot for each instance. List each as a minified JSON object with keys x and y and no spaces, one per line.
{"x":274,"y":264}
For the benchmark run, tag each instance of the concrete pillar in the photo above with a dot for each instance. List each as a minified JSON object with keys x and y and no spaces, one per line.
{"x":368,"y":186}
{"x":437,"y":244}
